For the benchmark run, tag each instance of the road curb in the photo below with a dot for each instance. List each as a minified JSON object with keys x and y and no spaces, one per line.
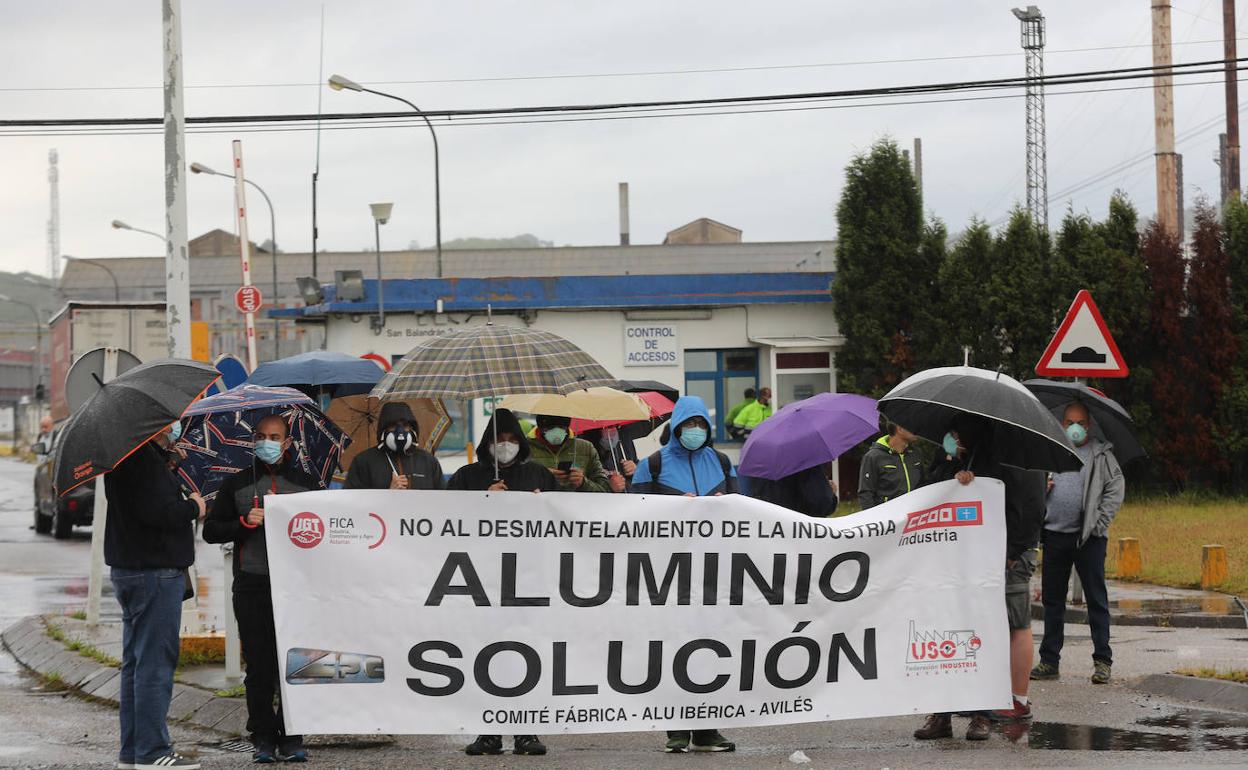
{"x":1178,"y":620}
{"x":1212,"y":692}
{"x":28,"y":641}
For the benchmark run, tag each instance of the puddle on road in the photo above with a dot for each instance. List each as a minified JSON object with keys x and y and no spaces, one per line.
{"x":1201,"y":731}
{"x":1209,"y":605}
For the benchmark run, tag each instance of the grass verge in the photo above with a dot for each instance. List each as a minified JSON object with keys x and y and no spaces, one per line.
{"x":1172,"y":531}
{"x":1239,"y":675}
{"x":81,"y":647}
{"x":237,"y":691}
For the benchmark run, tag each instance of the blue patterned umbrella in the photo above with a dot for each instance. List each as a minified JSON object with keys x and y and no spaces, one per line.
{"x":218,"y":435}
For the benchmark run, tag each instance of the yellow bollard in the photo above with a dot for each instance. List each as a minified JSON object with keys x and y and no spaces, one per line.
{"x":1213,"y":567}
{"x":1130,"y":564}
{"x":469,"y":451}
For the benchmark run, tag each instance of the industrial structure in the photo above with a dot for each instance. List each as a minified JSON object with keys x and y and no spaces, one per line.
{"x":1032,"y":36}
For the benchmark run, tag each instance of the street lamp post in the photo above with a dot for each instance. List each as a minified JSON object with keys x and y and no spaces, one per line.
{"x":119,"y":225}
{"x":338,"y":83}
{"x":36,"y":374}
{"x":199,"y":168}
{"x":116,"y":285}
{"x":381,"y":215}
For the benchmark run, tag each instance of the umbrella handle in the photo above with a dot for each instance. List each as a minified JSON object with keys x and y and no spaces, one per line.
{"x":493,"y":456}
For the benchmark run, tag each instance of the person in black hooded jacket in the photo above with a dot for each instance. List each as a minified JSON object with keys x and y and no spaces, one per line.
{"x":516,"y":473}
{"x":395,"y":462}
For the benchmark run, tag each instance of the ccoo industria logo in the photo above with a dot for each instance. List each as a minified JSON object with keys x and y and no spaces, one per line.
{"x":306,"y":529}
{"x":936,"y":651}
{"x":947,"y":515}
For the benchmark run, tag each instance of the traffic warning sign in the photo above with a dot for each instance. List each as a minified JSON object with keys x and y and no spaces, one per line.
{"x":1082,"y":346}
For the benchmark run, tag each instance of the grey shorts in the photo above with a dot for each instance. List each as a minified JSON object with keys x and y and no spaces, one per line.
{"x":1018,"y":590}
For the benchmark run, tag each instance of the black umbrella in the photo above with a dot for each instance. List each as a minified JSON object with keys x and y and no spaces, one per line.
{"x":639,"y":430}
{"x":1024,"y":432}
{"x":1108,"y":416}
{"x":124,"y":414}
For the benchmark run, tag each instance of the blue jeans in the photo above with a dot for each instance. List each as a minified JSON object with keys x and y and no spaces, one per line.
{"x":151,"y":613}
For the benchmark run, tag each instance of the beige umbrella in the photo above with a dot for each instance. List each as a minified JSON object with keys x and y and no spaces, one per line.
{"x":589,"y":404}
{"x":357,"y":416}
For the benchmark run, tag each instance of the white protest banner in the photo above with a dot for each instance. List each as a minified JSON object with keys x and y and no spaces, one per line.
{"x":468,"y":612}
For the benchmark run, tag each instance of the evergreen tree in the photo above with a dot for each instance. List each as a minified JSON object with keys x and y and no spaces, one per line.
{"x":1022,"y":297}
{"x":933,"y":345}
{"x":963,"y":307}
{"x":1231,"y":426}
{"x":880,"y":274}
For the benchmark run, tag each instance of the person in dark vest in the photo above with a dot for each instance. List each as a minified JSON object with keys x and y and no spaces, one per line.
{"x":237,"y":517}
{"x":395,"y":462}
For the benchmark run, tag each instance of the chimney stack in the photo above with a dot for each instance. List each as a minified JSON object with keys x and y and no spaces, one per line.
{"x":623,"y":213}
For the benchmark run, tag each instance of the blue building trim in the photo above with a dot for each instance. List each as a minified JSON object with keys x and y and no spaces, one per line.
{"x":612,"y":291}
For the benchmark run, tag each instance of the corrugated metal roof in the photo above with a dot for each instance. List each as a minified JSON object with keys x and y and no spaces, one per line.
{"x":144,"y":277}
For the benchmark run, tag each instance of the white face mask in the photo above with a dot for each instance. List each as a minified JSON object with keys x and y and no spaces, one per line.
{"x":506,"y":452}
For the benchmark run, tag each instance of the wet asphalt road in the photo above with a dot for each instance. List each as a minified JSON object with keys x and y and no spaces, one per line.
{"x":1077,"y":725}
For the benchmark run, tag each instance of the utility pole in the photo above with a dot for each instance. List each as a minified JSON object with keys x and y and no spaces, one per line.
{"x":1032,"y":21}
{"x":1231,"y":169}
{"x":177,"y":257}
{"x":54,"y":218}
{"x":918,"y":166}
{"x":1163,"y":121}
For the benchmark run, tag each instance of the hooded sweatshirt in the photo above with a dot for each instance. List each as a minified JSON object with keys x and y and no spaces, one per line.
{"x":886,"y":474}
{"x":523,"y":475}
{"x":373,"y":468}
{"x":703,"y":471}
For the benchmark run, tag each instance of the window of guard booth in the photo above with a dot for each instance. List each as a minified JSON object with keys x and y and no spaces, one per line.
{"x":801,"y":375}
{"x":720,"y":378}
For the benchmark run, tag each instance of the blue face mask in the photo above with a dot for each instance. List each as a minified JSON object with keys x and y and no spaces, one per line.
{"x":175,"y":431}
{"x":268,"y":451}
{"x":1076,"y":433}
{"x":950,"y":445}
{"x":693,"y":438}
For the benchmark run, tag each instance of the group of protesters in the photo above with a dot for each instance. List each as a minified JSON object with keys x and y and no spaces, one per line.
{"x":149,"y":539}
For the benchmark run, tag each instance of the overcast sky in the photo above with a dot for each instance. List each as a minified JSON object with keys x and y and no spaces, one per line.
{"x":776,"y":176}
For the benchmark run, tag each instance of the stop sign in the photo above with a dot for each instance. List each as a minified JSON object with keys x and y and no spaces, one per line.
{"x":247,"y":299}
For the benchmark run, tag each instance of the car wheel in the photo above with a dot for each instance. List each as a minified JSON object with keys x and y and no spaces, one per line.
{"x":62,"y":523}
{"x":43,"y":524}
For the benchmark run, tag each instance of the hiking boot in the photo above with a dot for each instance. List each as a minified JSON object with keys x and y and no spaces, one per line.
{"x":936,"y":726}
{"x":979,"y":729}
{"x":1045,"y":672}
{"x":485,"y":744}
{"x":291,"y":750}
{"x":677,"y":743}
{"x":529,"y":745}
{"x":172,"y":759}
{"x":1100,"y":674}
{"x":710,"y":740}
{"x":1020,"y":712}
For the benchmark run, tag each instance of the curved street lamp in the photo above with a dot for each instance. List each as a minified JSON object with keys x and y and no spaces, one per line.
{"x":111,"y":274}
{"x":119,"y":225}
{"x":200,"y":168}
{"x":339,"y":83}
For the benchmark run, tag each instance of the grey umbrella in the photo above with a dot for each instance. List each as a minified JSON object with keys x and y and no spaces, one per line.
{"x":1024,"y":432}
{"x":124,"y":414}
{"x":1108,"y":416}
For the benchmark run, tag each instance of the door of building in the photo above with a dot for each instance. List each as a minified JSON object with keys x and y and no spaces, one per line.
{"x":720,"y":378}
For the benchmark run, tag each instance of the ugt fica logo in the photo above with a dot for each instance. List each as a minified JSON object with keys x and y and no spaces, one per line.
{"x":306,"y":529}
{"x":932,"y":651}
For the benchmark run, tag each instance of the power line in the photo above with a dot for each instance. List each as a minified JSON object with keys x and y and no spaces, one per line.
{"x":591,"y":75}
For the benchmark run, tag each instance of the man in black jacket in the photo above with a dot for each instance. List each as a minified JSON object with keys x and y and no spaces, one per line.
{"x":238,"y":517}
{"x":515,"y":473}
{"x":149,"y":541}
{"x":395,"y":462}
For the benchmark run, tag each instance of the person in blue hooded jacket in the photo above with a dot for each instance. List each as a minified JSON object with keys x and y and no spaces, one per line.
{"x":688,"y":465}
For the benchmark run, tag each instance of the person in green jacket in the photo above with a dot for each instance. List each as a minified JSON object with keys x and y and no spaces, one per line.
{"x":733,"y":432}
{"x":749,"y":417}
{"x":573,"y":461}
{"x":890,"y":468}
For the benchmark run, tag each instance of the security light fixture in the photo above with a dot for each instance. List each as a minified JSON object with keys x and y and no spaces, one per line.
{"x":381,"y":212}
{"x":349,"y":285}
{"x":310,"y":290}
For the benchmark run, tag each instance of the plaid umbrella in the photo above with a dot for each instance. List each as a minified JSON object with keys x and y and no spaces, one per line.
{"x":491,"y":361}
{"x":219,"y":435}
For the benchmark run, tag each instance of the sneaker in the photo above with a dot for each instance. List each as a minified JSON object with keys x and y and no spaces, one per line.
{"x":979,"y":729}
{"x":1045,"y":672}
{"x":485,"y":744}
{"x":1100,"y":675}
{"x":291,"y":750}
{"x":1018,"y":713}
{"x":528,"y":745}
{"x":677,"y":743}
{"x":172,"y":759}
{"x":264,"y":754}
{"x":710,"y":740}
{"x":936,"y":726}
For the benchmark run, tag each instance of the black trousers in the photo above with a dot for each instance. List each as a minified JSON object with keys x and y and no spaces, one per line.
{"x":1061,"y":553}
{"x":254,"y":610}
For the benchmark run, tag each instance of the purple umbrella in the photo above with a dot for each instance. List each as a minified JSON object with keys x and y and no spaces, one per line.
{"x":808,"y":433}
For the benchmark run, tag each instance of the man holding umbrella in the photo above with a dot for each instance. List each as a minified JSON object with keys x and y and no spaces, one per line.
{"x":238,"y":517}
{"x":395,"y":462}
{"x":1081,"y":505}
